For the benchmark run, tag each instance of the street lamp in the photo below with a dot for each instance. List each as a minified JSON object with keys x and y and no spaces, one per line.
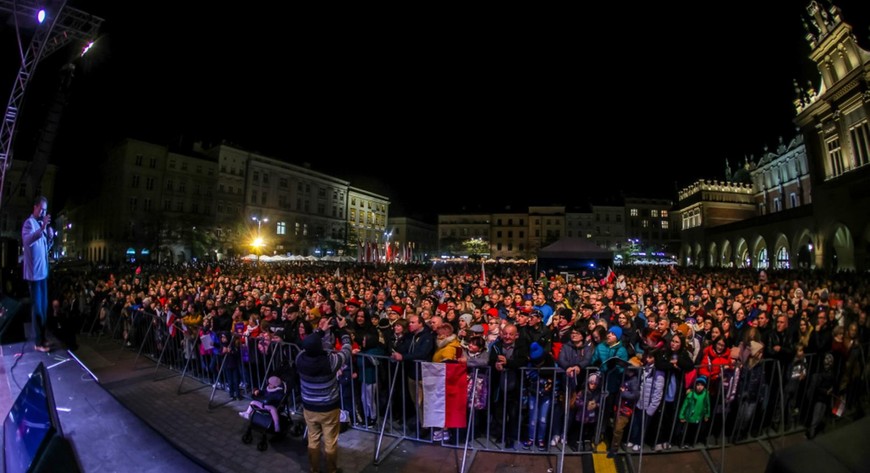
{"x":260,"y":222}
{"x":258,"y":243}
{"x":387,"y":236}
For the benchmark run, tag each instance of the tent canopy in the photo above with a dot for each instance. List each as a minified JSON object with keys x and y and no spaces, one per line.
{"x":574,"y":248}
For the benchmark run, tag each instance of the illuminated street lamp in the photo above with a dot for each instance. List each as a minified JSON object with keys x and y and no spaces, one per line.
{"x":387,"y":236}
{"x":260,"y":222}
{"x":258,"y":247}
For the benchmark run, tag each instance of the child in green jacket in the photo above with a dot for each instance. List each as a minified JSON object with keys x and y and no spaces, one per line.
{"x":696,"y":406}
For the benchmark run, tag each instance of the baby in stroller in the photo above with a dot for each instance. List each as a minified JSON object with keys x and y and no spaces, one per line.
{"x":269,"y":401}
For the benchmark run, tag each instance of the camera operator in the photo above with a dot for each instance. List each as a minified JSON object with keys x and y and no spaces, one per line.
{"x":317,"y":370}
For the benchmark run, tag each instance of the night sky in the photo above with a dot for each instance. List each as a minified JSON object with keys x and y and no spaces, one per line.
{"x":443,"y":110}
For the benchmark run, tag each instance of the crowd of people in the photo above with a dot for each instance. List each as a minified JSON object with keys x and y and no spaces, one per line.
{"x":662,"y":357}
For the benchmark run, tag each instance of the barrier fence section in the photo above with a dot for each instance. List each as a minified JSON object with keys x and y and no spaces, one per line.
{"x":529,"y":410}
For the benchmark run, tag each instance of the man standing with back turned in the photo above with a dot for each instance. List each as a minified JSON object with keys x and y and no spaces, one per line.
{"x":36,"y":236}
{"x":320,"y":394}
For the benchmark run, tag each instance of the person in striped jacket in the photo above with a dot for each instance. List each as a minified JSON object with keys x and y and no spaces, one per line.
{"x":317,"y":370}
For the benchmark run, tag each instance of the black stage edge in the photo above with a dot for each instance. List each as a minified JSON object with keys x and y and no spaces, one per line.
{"x":103,"y":434}
{"x":839,"y":451}
{"x":12,"y":315}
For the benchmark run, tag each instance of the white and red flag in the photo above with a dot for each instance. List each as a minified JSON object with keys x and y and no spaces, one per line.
{"x":611,"y":276}
{"x":170,"y":323}
{"x":445,"y":393}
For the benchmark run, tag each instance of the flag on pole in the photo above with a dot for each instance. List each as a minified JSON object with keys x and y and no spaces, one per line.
{"x":138,"y":270}
{"x":170,"y":323}
{"x":338,"y":272}
{"x":445,"y":395}
{"x":482,"y":272}
{"x":611,"y":276}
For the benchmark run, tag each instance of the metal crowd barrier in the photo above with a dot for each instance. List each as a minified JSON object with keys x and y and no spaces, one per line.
{"x":376,"y":397}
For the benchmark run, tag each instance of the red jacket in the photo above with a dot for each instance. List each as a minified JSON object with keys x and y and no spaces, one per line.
{"x":712,"y":362}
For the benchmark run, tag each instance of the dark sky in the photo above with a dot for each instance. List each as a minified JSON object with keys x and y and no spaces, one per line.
{"x":449,"y":108}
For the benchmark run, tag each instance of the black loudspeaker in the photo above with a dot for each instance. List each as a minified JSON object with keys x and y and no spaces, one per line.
{"x":58,"y":456}
{"x":11,"y":321}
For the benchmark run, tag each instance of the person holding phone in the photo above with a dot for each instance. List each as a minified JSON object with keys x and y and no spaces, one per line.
{"x":36,"y":236}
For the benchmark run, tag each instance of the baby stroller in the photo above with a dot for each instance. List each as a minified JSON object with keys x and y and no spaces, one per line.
{"x":261,"y":419}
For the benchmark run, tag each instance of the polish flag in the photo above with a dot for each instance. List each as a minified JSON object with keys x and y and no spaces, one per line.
{"x":611,"y":276}
{"x":170,"y":323}
{"x":445,"y":395}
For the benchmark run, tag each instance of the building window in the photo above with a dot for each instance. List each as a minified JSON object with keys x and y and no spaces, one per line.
{"x":135,"y":183}
{"x":522,"y":234}
{"x":263,"y":198}
{"x":253,"y":197}
{"x":297,"y":227}
{"x":304,"y":229}
{"x":139,"y":160}
{"x":169,"y":185}
{"x":654,"y":213}
{"x":167,"y":205}
{"x":498,"y":246}
{"x":860,"y":135}
{"x":777,"y":204}
{"x":265,"y":179}
{"x":179,"y":206}
{"x":256,"y":176}
{"x":171,"y":164}
{"x":664,"y":224}
{"x":498,"y":234}
{"x":645,"y":223}
{"x":782,"y":260}
{"x":182,"y":186}
{"x":282,"y":228}
{"x":152,"y":163}
{"x":835,"y":157}
{"x":763,"y":261}
{"x":664,"y":213}
{"x":149,"y":183}
{"x":793,"y":198}
{"x":133,"y":204}
{"x":633,"y":212}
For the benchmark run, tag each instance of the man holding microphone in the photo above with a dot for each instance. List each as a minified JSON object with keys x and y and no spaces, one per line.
{"x":36,"y":236}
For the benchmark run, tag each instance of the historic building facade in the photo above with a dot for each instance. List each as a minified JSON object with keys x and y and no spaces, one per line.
{"x":810,"y":196}
{"x":213,"y":202}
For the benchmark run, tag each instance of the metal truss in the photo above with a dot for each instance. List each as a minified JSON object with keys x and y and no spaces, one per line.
{"x":65,"y":25}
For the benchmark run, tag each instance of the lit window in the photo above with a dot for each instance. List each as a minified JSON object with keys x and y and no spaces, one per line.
{"x":633,"y":212}
{"x":282,"y":228}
